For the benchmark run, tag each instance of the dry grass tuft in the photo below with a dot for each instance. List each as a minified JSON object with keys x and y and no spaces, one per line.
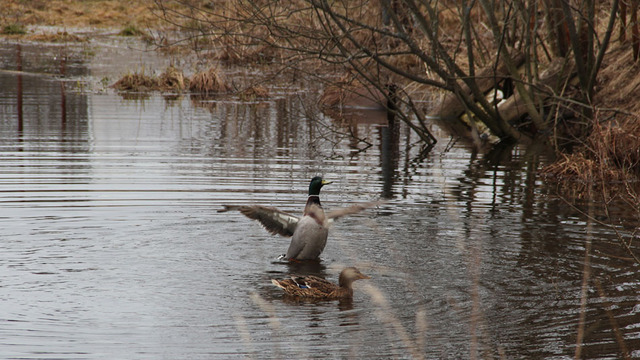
{"x":574,"y":166}
{"x":73,"y":13}
{"x":136,"y":82}
{"x":208,"y":81}
{"x":172,"y":79}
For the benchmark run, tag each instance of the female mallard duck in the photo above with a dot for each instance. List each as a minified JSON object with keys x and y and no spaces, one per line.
{"x":318,"y":288}
{"x":309,"y":233}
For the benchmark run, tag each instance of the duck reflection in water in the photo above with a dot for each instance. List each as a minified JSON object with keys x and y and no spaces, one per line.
{"x":308,"y":267}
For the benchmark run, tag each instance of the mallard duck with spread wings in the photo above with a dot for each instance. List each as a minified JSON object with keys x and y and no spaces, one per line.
{"x":309,"y":232}
{"x":314,"y":287}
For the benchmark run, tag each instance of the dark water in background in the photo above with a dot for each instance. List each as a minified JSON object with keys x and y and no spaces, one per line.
{"x":111,"y":246}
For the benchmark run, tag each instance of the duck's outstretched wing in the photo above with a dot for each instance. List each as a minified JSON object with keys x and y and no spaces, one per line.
{"x":273,"y":220}
{"x":353,"y":209}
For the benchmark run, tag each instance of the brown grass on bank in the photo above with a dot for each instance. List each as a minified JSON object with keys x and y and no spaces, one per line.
{"x":610,"y":156}
{"x":172,"y":79}
{"x":349,"y":91}
{"x":208,"y":81}
{"x":73,"y":13}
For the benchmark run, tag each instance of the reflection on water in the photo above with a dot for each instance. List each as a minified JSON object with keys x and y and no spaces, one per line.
{"x":112,"y":246}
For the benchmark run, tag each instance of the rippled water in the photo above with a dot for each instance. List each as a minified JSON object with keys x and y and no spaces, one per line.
{"x":111,"y":246}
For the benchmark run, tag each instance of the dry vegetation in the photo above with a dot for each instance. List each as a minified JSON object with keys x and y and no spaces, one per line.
{"x":229,"y":32}
{"x":172,"y":79}
{"x":73,"y":13}
{"x":619,"y":81}
{"x":597,"y":144}
{"x":207,"y":82}
{"x":309,"y":40}
{"x":136,"y":82}
{"x":609,"y":156}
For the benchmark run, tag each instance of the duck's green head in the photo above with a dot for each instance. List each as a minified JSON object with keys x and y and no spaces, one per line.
{"x":316,"y":184}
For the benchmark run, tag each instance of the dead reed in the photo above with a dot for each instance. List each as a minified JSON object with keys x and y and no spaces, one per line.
{"x":136,"y":82}
{"x":208,"y":81}
{"x":172,"y":79}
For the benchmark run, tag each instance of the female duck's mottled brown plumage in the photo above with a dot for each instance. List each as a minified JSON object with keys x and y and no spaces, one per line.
{"x":318,"y":288}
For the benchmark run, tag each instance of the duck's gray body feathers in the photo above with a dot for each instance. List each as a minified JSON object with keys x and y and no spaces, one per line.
{"x":309,"y":239}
